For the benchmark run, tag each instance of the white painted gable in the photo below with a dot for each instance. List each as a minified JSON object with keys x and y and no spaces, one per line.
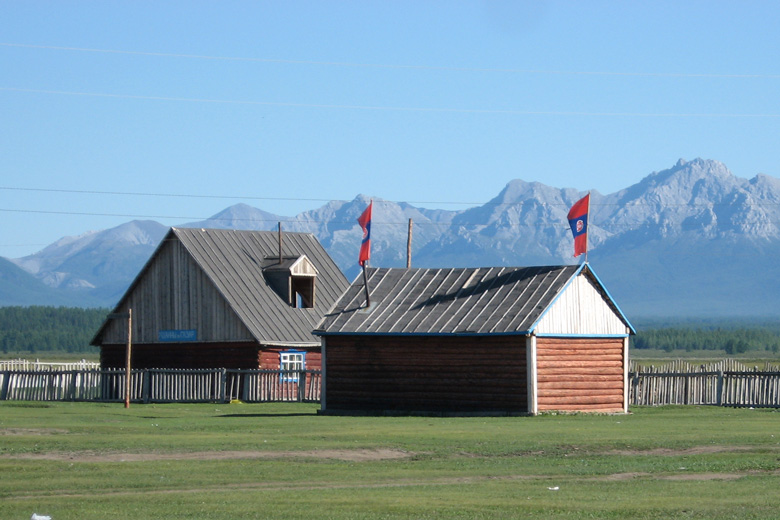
{"x":581,"y":309}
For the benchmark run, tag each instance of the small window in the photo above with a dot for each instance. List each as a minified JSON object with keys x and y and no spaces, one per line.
{"x":291,"y":363}
{"x":303,"y":291}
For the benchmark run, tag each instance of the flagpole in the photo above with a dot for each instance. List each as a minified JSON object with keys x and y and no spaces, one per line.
{"x":587,"y":231}
{"x":365,"y":248}
{"x":365,"y":284}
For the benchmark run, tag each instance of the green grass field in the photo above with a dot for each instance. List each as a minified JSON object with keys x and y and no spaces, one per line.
{"x":98,"y":461}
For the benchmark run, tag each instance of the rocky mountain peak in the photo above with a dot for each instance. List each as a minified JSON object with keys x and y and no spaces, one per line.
{"x":647,"y":241}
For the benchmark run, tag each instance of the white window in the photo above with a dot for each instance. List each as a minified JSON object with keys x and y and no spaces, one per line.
{"x":291,"y":362}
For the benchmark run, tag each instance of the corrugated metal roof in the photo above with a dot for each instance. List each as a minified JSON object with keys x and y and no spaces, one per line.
{"x":234,"y":259}
{"x":492,"y":300}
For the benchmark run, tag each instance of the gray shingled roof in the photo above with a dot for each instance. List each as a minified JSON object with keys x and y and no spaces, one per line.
{"x":233,"y":260}
{"x":494,"y":300}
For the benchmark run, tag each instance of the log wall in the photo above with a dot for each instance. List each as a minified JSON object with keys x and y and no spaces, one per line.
{"x":183,"y":355}
{"x":269,"y":357}
{"x":247,"y":355}
{"x":580,"y":374}
{"x":426,"y":374}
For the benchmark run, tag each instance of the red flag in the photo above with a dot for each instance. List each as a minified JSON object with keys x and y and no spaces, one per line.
{"x":578,"y":220}
{"x":365,"y":224}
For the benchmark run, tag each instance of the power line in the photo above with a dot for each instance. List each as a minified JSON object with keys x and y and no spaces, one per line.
{"x":379,"y":201}
{"x":394,"y":66}
{"x":398,"y":109}
{"x":289,"y":220}
{"x":223,"y":197}
{"x":178,"y":195}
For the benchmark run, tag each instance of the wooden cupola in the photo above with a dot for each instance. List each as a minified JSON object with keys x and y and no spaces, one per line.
{"x":293,"y":279}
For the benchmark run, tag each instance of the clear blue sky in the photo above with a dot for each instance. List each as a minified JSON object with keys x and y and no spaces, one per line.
{"x":419,"y":101}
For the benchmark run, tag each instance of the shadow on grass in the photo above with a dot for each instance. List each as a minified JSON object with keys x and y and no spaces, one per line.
{"x":291,"y":414}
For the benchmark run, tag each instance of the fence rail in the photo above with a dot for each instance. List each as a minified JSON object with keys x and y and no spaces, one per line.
{"x":161,"y":385}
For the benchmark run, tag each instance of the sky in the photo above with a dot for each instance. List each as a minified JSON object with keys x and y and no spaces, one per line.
{"x":112,"y":111}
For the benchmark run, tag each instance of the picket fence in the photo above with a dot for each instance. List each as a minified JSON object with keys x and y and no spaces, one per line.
{"x":161,"y":385}
{"x":723,"y":383}
{"x":26,"y":364}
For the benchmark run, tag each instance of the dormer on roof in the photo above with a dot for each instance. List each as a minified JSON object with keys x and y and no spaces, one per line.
{"x":293,"y":278}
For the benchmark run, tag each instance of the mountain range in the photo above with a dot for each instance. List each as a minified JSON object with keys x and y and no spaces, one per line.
{"x":693,"y":240}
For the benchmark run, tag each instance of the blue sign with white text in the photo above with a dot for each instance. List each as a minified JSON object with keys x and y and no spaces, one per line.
{"x":177,"y":335}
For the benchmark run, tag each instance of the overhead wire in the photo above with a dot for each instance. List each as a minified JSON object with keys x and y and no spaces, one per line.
{"x":393,"y":66}
{"x":562,"y":113}
{"x":354,"y":107}
{"x":552,"y":113}
{"x":379,"y":201}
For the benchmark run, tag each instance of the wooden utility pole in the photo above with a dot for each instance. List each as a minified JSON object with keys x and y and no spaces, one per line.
{"x":128,"y":349}
{"x":280,"y":243}
{"x":127,"y":360}
{"x":409,"y":246}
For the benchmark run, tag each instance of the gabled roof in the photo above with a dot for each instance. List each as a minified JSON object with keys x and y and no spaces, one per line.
{"x":461,"y":301}
{"x":233,"y":261}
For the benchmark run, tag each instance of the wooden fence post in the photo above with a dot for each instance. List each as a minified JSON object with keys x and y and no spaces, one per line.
{"x":301,"y":385}
{"x":223,"y":387}
{"x":244,"y":380}
{"x":146,"y":387}
{"x":720,"y":388}
{"x":72,"y":391}
{"x":6,"y":381}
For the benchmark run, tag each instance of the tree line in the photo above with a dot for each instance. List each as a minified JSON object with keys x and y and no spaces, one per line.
{"x":39,"y":329}
{"x":730,"y":337}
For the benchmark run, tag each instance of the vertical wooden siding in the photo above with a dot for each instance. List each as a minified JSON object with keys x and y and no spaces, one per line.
{"x":426,"y":374}
{"x":176,"y":294}
{"x":580,"y":374}
{"x":581,"y":309}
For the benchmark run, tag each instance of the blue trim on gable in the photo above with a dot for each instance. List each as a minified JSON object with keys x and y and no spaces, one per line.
{"x":617,"y":307}
{"x":553,"y":335}
{"x":424,"y":334}
{"x":601,"y":284}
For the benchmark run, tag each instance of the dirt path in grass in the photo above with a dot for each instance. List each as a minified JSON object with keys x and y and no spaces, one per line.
{"x":670,"y":452}
{"x":86,"y":456}
{"x":551,"y":484}
{"x":356,"y":455}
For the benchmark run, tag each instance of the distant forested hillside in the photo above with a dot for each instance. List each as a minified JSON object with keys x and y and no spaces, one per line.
{"x":39,"y":329}
{"x":733,"y":337}
{"x":48,"y":329}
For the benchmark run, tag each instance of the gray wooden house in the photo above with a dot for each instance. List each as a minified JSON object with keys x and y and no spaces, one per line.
{"x":517,"y":340}
{"x":217,"y":298}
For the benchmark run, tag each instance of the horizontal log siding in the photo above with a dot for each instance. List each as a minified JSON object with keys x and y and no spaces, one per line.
{"x":269,"y":357}
{"x":424,"y":374}
{"x":183,"y":355}
{"x":580,"y":374}
{"x":176,"y":294}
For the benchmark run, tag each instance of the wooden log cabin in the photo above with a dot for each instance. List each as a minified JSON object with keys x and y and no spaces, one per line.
{"x":503,"y":340}
{"x":218,"y":298}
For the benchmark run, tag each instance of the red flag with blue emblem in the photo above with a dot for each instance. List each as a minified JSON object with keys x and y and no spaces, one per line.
{"x":365,"y":224}
{"x":578,"y":220}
